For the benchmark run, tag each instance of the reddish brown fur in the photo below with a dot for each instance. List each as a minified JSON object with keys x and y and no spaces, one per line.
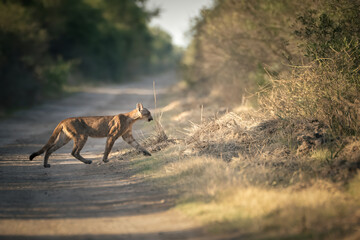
{"x":79,"y":129}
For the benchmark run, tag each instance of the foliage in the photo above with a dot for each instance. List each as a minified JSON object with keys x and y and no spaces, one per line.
{"x":310,"y":51}
{"x":326,"y":92}
{"x":23,"y":46}
{"x":328,"y":30}
{"x":164,"y":54}
{"x":42,"y":42}
{"x":234,"y":40}
{"x":329,"y":88}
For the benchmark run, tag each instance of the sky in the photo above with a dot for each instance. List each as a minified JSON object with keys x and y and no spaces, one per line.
{"x":175,"y":16}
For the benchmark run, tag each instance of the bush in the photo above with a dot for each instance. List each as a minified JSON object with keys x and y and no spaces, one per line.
{"x":329,"y":29}
{"x":326,"y":90}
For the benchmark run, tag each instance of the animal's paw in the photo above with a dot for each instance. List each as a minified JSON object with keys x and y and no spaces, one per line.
{"x":88,"y":162}
{"x":46,"y":165}
{"x":105,"y":160}
{"x":146,"y":153}
{"x":32,"y":156}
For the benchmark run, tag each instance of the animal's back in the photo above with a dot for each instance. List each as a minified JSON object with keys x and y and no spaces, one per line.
{"x":97,"y":126}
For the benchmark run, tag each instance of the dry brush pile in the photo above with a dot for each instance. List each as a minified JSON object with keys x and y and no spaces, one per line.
{"x":272,"y":151}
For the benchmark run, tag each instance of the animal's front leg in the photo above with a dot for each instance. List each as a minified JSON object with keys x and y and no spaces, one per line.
{"x":131,"y":140}
{"x":109,"y":144}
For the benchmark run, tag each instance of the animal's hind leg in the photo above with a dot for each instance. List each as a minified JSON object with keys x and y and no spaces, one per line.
{"x":79,"y":143}
{"x":59,"y":142}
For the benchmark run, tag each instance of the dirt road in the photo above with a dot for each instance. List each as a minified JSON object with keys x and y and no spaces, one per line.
{"x":72,"y":200}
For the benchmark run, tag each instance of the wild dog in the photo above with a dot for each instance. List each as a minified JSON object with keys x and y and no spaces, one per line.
{"x":79,"y":129}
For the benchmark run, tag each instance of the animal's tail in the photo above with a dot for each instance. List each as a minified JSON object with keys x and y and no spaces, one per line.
{"x":51,"y":141}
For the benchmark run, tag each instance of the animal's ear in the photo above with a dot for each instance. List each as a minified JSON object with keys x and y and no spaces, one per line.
{"x":139,"y":106}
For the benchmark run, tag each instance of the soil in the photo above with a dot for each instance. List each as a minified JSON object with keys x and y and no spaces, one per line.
{"x":72,"y":200}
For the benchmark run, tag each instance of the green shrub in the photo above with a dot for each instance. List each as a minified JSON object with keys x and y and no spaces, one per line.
{"x":55,"y":76}
{"x":330,"y":29}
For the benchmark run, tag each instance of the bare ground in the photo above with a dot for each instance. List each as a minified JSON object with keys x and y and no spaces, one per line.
{"x":72,"y":200}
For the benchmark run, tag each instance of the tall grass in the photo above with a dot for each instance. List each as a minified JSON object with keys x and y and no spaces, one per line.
{"x":328,"y":90}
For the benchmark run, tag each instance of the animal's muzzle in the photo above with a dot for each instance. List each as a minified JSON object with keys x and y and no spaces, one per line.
{"x":150,"y":119}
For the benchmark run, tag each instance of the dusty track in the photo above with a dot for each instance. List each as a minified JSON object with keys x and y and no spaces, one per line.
{"x":72,"y":200}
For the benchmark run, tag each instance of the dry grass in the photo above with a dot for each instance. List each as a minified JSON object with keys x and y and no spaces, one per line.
{"x":269,"y":151}
{"x":327,"y":90}
{"x":316,"y":209}
{"x":255,"y":176}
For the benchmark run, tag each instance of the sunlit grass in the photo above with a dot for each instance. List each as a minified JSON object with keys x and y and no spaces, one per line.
{"x":213,"y":193}
{"x":266,"y":192}
{"x":255,"y":209}
{"x":354,"y":187}
{"x":321,"y":155}
{"x":148,"y":166}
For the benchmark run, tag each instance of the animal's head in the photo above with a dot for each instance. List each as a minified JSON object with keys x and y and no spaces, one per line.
{"x":143,"y":112}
